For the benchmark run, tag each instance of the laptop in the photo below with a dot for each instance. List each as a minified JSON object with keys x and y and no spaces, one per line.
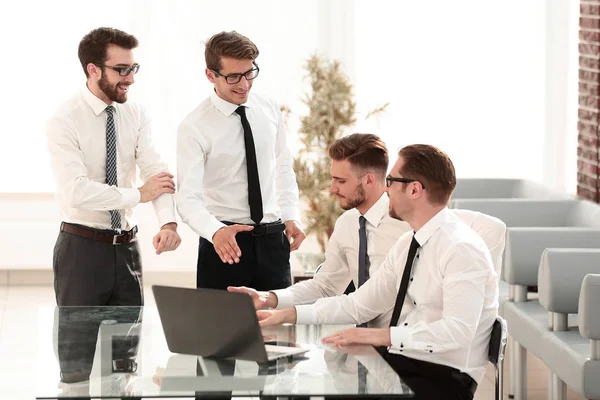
{"x":214,"y":323}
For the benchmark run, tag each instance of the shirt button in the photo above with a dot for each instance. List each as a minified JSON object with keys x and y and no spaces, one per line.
{"x":411,"y":279}
{"x":401,"y":345}
{"x":431,"y":351}
{"x":406,"y":324}
{"x":415,"y":303}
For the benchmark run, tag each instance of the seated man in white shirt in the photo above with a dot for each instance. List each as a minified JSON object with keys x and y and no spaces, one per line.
{"x":444,"y":299}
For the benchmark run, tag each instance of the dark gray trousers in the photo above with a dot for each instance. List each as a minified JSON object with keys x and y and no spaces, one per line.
{"x":90,"y":273}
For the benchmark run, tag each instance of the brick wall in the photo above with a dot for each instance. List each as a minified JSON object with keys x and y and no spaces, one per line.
{"x":588,"y":165}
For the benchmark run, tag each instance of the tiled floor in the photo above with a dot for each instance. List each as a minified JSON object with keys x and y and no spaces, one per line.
{"x":18,"y":335}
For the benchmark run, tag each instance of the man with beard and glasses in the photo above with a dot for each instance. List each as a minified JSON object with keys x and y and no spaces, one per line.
{"x":95,"y":141}
{"x":358,"y":167}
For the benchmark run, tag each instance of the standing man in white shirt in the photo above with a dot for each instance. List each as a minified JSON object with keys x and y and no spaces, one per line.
{"x":95,"y":141}
{"x":442,"y":288}
{"x":235,"y":176}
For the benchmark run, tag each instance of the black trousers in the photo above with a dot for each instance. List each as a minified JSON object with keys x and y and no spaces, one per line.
{"x":430,"y":381}
{"x":264,"y":264}
{"x":90,"y":273}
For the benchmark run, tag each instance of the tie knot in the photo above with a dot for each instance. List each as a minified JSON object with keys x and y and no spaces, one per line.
{"x":414,"y":243}
{"x":362,"y":222}
{"x":110,"y":110}
{"x":241,"y":110}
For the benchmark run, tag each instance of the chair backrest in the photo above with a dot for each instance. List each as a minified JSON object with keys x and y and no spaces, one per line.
{"x":497,"y":341}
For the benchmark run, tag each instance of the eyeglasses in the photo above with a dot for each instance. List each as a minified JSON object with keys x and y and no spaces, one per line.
{"x":232,"y":79}
{"x":123,"y":71}
{"x":389,"y":180}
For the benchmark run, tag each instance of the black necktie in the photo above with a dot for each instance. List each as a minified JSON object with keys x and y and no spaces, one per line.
{"x":363,"y":257}
{"x":254,"y":196}
{"x":414,"y":245}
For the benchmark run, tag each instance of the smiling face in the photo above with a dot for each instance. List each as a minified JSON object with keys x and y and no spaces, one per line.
{"x":111,"y":86}
{"x":236,"y":93}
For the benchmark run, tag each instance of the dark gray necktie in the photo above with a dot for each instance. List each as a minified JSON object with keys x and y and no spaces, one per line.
{"x":363,"y":257}
{"x":412,"y":251}
{"x":111,"y":163}
{"x":254,"y":195}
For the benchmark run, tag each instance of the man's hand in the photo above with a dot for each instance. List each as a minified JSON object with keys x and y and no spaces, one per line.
{"x":225,"y":244}
{"x":167,"y":239}
{"x":155,"y":186}
{"x":372,"y":336}
{"x":277,"y":317}
{"x":295,"y":234}
{"x":261,"y":299}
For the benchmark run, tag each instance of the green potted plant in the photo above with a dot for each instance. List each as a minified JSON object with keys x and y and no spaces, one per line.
{"x":331,"y":111}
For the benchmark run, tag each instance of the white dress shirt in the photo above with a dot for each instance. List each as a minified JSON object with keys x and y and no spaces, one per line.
{"x":451,"y":303}
{"x":77,"y":145}
{"x":211,"y":165}
{"x":341,"y":258}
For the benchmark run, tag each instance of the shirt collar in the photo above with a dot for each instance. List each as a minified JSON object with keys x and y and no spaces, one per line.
{"x":94,"y":102}
{"x":378,"y":210}
{"x":427,"y":230}
{"x":224,"y":106}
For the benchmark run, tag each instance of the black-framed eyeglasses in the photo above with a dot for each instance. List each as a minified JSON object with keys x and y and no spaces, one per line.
{"x":123,"y":71}
{"x":232,"y":79}
{"x":389,"y":180}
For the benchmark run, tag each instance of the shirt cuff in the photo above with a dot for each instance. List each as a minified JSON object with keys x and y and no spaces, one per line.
{"x":210,"y":228}
{"x":290,"y":214}
{"x":400,"y":337}
{"x":165,"y":217}
{"x":131,"y":197}
{"x":285,"y":298}
{"x":306,"y":315}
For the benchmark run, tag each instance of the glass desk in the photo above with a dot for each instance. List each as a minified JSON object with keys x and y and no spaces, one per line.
{"x":121,"y":352}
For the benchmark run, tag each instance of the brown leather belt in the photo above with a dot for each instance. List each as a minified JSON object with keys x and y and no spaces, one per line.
{"x":98,"y":235}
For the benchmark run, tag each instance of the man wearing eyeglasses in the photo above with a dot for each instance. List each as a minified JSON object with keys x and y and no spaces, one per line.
{"x":237,"y":188}
{"x":439,"y":281}
{"x":95,"y":141}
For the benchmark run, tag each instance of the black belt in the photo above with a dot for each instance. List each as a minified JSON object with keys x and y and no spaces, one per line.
{"x":99,"y":235}
{"x":269,"y":228}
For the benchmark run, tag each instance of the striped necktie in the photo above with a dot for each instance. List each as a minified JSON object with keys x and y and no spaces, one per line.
{"x":111,"y":163}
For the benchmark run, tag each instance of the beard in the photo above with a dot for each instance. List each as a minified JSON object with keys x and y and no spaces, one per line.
{"x":355,"y":201}
{"x":112,"y":92}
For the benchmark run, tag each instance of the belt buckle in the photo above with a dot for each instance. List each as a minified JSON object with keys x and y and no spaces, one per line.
{"x":115,"y":240}
{"x":259,"y":230}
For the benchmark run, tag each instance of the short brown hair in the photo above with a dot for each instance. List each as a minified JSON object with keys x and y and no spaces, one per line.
{"x":93,"y":47}
{"x":228,"y":44}
{"x":365,"y":152}
{"x":432,"y":167}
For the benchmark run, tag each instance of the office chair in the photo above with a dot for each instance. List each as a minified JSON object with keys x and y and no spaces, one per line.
{"x":496,"y":352}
